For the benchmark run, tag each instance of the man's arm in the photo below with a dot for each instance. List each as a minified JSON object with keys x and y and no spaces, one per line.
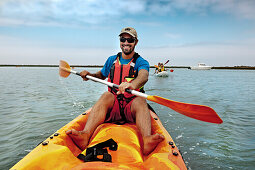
{"x":141,"y":79}
{"x":97,"y":75}
{"x":137,"y":83}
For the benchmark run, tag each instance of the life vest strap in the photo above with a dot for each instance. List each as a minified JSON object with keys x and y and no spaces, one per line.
{"x":123,"y":102}
{"x":131,"y":75}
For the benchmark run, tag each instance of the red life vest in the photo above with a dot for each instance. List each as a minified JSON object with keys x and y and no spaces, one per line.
{"x":123,"y":72}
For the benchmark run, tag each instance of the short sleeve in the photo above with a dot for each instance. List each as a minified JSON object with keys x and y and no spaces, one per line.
{"x":142,"y":64}
{"x":107,"y":66}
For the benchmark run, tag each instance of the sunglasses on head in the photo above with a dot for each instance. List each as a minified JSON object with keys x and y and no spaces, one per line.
{"x":129,"y":40}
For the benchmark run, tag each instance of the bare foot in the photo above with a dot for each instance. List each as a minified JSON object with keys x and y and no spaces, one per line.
{"x":80,"y":138}
{"x":150,"y":142}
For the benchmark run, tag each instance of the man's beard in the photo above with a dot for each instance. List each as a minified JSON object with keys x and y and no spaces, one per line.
{"x":127,"y":52}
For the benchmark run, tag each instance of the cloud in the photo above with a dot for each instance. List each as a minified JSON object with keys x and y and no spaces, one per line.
{"x":65,"y":11}
{"x":23,"y":51}
{"x":87,"y":12}
{"x":216,"y":54}
{"x":172,"y":36}
{"x":18,"y":50}
{"x":240,"y":9}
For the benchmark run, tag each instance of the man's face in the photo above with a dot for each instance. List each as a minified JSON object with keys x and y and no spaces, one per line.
{"x":127,"y":47}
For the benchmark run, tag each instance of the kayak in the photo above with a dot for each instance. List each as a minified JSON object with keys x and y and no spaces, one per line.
{"x":162,"y":74}
{"x":112,"y":146}
{"x":59,"y":152}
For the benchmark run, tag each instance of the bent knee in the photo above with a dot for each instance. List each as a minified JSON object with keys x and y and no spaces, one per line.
{"x":138,"y":104}
{"x":107,"y":97}
{"x":140,"y":100}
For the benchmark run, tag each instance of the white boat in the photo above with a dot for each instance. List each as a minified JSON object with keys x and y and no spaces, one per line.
{"x":201,"y":66}
{"x":162,"y":74}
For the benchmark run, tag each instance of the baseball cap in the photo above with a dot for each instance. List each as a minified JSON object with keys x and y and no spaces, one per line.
{"x":129,"y":30}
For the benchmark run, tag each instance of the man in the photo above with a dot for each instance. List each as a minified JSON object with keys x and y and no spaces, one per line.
{"x":130,"y":71}
{"x":157,"y":68}
{"x":162,"y":67}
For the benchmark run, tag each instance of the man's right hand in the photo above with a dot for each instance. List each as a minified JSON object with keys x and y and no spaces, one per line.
{"x":83,"y":74}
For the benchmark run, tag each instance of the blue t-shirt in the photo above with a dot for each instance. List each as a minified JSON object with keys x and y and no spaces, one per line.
{"x":140,"y":64}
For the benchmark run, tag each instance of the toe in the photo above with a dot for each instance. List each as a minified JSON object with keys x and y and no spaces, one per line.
{"x":68,"y":132}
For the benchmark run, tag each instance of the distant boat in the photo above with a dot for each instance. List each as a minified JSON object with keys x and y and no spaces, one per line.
{"x":162,"y":74}
{"x":201,"y":66}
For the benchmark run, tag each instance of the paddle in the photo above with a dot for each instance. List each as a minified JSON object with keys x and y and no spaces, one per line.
{"x":166,"y":62}
{"x":199,"y":112}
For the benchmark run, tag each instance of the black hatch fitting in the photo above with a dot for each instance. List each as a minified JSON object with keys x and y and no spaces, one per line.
{"x":56,"y":134}
{"x":175,"y":153}
{"x":45,"y":143}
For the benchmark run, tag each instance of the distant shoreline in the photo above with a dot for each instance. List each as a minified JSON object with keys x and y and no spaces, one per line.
{"x":99,"y":66}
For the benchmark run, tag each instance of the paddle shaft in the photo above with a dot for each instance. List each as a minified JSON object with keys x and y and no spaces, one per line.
{"x":166,"y":62}
{"x":134,"y":92}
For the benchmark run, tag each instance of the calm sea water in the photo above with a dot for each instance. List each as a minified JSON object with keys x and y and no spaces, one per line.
{"x":35,"y":102}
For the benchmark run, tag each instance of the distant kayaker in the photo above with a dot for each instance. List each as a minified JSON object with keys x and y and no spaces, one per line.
{"x":157,"y":68}
{"x":161,"y":67}
{"x":130,"y":71}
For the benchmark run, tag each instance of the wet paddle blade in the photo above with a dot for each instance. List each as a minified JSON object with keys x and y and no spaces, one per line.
{"x":64,"y":69}
{"x":199,"y":112}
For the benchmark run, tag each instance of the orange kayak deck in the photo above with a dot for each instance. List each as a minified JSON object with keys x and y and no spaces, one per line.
{"x":59,"y":152}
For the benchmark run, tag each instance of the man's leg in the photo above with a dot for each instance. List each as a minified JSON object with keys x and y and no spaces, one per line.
{"x":143,"y":123}
{"x":96,"y":117}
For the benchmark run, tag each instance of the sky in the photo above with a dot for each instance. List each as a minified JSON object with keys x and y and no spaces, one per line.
{"x":85,"y":32}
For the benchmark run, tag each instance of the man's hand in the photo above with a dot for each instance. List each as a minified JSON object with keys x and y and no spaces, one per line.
{"x":123,"y":86}
{"x":83,"y":74}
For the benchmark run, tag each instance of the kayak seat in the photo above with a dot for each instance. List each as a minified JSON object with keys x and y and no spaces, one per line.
{"x":93,"y":152}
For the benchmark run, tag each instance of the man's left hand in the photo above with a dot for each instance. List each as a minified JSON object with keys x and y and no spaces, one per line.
{"x":123,"y":86}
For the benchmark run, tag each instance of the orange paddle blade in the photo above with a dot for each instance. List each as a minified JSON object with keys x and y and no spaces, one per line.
{"x":64,"y":69}
{"x":200,"y":112}
{"x":156,"y":66}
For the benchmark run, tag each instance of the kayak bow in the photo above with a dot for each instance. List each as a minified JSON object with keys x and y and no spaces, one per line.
{"x":59,"y":152}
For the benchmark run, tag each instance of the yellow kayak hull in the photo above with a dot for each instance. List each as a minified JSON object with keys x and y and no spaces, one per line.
{"x":59,"y":152}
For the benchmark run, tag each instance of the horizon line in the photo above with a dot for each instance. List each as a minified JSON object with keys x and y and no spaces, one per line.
{"x":54,"y":65}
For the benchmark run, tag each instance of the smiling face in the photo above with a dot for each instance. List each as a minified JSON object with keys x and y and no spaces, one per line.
{"x":128,"y":46}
